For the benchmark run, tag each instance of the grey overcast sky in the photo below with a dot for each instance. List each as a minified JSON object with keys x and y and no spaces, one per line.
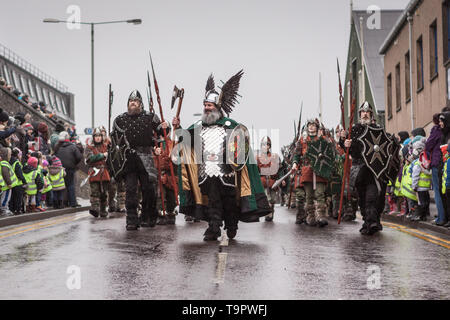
{"x":281,"y":45}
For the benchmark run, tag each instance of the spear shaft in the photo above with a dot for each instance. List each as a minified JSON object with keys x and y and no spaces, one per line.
{"x":175,"y":187}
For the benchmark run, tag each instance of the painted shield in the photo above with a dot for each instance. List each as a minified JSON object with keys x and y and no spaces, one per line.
{"x":377,"y":150}
{"x":238,"y":147}
{"x":117,"y":152}
{"x":321,"y":155}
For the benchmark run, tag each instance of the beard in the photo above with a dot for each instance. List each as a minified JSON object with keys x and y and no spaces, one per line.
{"x":211,"y":117}
{"x":132,"y":110}
{"x":366,"y":121}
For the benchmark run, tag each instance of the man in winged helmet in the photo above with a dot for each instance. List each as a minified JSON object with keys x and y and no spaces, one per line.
{"x":371,"y":191}
{"x":211,"y":187}
{"x":132,"y":134}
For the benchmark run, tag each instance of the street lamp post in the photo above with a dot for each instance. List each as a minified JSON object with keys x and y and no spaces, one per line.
{"x":133,"y":21}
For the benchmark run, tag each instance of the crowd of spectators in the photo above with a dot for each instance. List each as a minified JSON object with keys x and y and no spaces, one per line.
{"x":425,"y":167}
{"x":33,"y":160}
{"x":39,"y":106}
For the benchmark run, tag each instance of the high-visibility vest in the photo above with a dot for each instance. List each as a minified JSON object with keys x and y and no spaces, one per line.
{"x":407,"y":184}
{"x":424,"y":178}
{"x":17,"y":162}
{"x":398,"y":186}
{"x":444,"y":178}
{"x":14,"y":180}
{"x":49,"y":185}
{"x":30,"y":177}
{"x":57,"y":180}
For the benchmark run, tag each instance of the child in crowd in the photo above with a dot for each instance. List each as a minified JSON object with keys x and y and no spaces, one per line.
{"x":46,"y":197}
{"x":16,"y":202}
{"x":34,"y":183}
{"x":56,"y":174}
{"x":7,"y":182}
{"x":421,"y":181}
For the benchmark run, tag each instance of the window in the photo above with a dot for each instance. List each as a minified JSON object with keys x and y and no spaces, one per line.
{"x":389,"y":96}
{"x":52,"y":101}
{"x":32,"y":89}
{"x":16,"y":81}
{"x":6,"y":73}
{"x":433,"y":50}
{"x":398,"y":97}
{"x":446,"y":29}
{"x":419,"y":53}
{"x":46,"y":99}
{"x":64,"y":107}
{"x":407,"y":77}
{"x":24,"y":84}
{"x":39,"y":92}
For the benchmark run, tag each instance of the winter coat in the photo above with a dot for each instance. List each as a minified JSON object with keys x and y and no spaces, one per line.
{"x":432,"y":146}
{"x":69,"y":154}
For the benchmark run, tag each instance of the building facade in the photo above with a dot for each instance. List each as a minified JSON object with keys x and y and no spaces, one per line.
{"x":416,"y":65}
{"x":364,"y":75}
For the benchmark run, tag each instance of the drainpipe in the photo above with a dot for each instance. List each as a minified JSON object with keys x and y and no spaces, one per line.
{"x":410,"y":21}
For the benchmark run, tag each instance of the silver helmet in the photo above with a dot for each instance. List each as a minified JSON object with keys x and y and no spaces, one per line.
{"x":212,"y":96}
{"x":365,"y":107}
{"x":135,"y":95}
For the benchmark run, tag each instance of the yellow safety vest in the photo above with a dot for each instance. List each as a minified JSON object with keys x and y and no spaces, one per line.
{"x":14,"y":180}
{"x":444,"y":178}
{"x":17,"y":162}
{"x":49,"y":185}
{"x":424,"y":179}
{"x":407,"y":184}
{"x":30,"y":177}
{"x":57,"y":180}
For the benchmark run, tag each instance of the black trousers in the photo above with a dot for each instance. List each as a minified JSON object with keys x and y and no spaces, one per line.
{"x":370,"y":199}
{"x":16,"y":202}
{"x":135,"y":174}
{"x":222,"y":203}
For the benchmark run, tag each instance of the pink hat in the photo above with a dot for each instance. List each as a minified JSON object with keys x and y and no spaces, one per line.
{"x":32,"y":162}
{"x":45,"y":163}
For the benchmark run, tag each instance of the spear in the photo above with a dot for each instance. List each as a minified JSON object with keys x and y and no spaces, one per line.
{"x":341,"y":97}
{"x":175,"y":187}
{"x":347,"y":160}
{"x":158,"y":162}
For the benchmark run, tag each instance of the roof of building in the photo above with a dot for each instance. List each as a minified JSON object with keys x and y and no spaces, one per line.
{"x":410,"y":8}
{"x":373,"y":39}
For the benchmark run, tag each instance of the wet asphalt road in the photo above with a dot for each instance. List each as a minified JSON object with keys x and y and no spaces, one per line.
{"x":278,"y":260}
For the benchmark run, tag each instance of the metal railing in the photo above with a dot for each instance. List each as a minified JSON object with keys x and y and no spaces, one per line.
{"x":22,"y":63}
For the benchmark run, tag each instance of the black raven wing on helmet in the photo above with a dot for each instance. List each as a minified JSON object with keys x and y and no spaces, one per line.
{"x":229,"y":93}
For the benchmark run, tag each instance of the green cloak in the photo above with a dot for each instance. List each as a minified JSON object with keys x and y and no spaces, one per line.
{"x":251,"y":198}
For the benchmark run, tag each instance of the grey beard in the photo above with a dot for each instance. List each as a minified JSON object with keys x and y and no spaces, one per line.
{"x":366,"y":121}
{"x":211,"y":117}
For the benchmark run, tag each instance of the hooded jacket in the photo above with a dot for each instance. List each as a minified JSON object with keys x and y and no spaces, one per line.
{"x":69,"y":154}
{"x":432,"y":146}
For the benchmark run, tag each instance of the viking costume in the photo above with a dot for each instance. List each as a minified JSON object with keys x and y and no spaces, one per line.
{"x":269,"y":167}
{"x":170,"y":202}
{"x":350,"y":202}
{"x":98,"y":182}
{"x":213,"y":188}
{"x":313,"y":183}
{"x":132,"y":159}
{"x":374,"y":162}
{"x":116,"y":189}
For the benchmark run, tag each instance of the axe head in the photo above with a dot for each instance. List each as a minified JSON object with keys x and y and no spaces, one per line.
{"x":175,"y":95}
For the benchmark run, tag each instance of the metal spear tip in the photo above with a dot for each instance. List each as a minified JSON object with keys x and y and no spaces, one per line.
{"x":135,"y":21}
{"x":51,"y":20}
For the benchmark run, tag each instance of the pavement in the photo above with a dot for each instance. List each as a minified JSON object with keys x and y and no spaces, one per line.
{"x":6,"y":221}
{"x":418,"y":224}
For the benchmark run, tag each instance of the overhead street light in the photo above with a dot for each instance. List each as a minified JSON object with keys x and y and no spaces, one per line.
{"x":133,"y":21}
